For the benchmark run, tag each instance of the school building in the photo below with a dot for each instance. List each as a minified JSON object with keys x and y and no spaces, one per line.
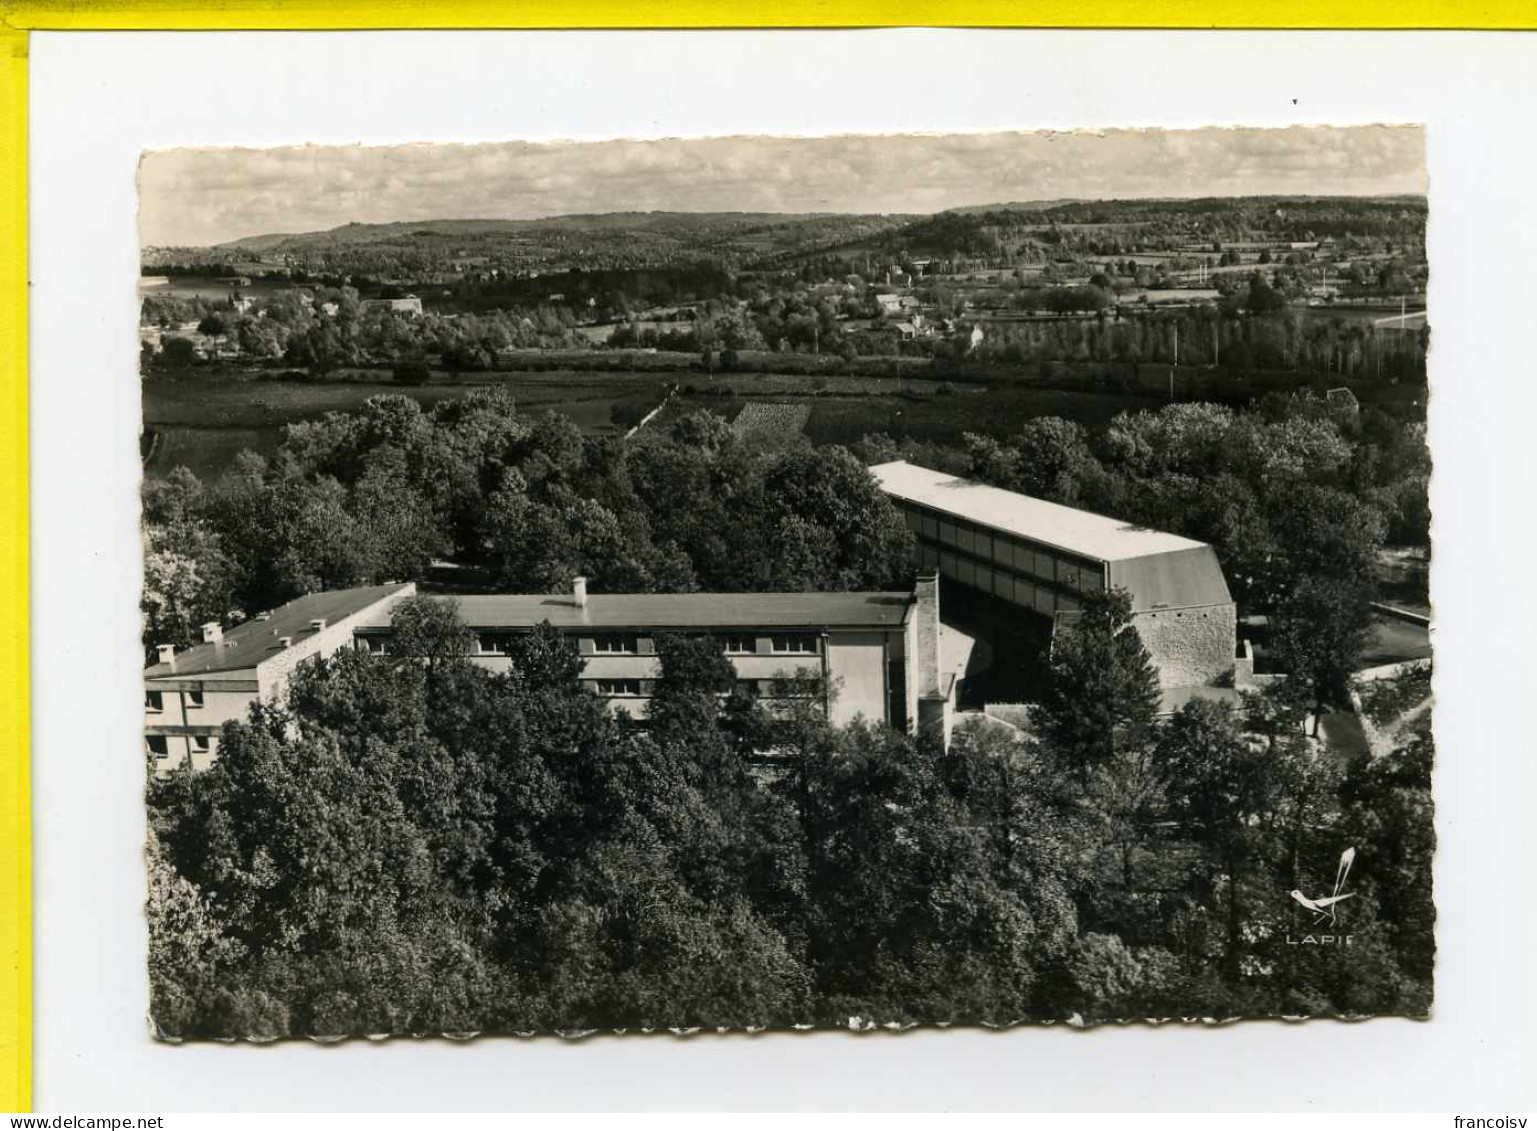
{"x":875,"y":655}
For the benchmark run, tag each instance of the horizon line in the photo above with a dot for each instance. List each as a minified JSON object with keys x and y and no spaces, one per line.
{"x":1000,"y":205}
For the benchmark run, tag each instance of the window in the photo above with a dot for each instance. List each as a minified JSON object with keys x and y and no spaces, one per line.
{"x":492,"y":645}
{"x":795,"y":645}
{"x":748,"y":687}
{"x":737,"y":644}
{"x":947,"y":533}
{"x":930,"y":526}
{"x":154,"y":700}
{"x":618,"y":687}
{"x":373,"y":645}
{"x":156,"y":744}
{"x":194,"y":699}
{"x":614,"y":645}
{"x":200,"y":743}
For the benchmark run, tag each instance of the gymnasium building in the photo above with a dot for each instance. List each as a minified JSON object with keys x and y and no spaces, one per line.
{"x":1039,"y":560}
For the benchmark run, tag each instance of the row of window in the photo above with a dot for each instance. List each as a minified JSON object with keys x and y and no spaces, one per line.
{"x":1043,"y":599}
{"x":160,"y":748}
{"x":1043,"y":565}
{"x":733,"y":644}
{"x":627,"y":644}
{"x":154,"y":701}
{"x":618,"y":688}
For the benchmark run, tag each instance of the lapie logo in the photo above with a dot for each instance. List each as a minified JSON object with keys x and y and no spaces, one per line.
{"x":1325,"y":908}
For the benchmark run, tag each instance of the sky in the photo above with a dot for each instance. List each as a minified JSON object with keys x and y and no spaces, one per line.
{"x":197,"y":197}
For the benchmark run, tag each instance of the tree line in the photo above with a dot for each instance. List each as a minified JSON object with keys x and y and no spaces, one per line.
{"x":377,"y":495}
{"x":410,"y":844}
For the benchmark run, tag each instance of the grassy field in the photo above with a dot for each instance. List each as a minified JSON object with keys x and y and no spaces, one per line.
{"x":203,"y":418}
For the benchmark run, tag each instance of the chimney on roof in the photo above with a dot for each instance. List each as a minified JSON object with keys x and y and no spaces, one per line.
{"x":927,"y":623}
{"x":317,"y":624}
{"x":167,"y":653}
{"x":285,"y":641}
{"x":579,"y":592}
{"x":212,"y":632}
{"x":936,"y":688}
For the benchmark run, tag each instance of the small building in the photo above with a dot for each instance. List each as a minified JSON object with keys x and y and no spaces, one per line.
{"x":189,"y":696}
{"x":889,"y":304}
{"x":1042,"y":560}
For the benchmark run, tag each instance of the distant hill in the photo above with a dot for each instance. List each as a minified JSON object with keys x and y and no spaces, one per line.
{"x":668,"y":222}
{"x":1016,"y":206}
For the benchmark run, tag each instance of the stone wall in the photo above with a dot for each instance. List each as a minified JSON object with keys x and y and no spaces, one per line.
{"x":1190,"y":647}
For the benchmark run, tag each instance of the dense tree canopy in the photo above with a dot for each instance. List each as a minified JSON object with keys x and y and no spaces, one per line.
{"x":423,"y":847}
{"x":378,"y":495}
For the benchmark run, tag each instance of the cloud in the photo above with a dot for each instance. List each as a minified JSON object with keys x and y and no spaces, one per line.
{"x":202,"y":196}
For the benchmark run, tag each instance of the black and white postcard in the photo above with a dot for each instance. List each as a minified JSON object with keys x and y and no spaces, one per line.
{"x":768,"y":583}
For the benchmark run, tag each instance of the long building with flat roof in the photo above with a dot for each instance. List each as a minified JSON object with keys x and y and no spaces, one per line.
{"x":875,"y":655}
{"x":1045,"y":559}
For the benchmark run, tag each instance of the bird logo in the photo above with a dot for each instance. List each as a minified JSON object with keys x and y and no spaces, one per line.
{"x":1325,"y":907}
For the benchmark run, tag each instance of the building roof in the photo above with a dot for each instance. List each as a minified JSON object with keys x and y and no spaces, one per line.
{"x":247,"y":645}
{"x":680,"y":611}
{"x":1177,"y":579}
{"x":1066,"y":528}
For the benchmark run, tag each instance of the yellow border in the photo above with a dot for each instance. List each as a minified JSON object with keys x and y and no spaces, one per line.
{"x":15,"y":687}
{"x":229,"y":15}
{"x":19,"y":17}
